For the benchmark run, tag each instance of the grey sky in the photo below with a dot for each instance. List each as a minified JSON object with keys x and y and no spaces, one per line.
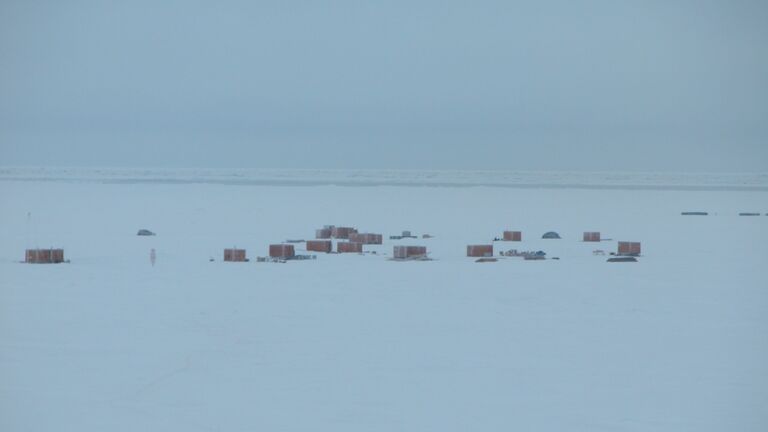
{"x":666,"y":85}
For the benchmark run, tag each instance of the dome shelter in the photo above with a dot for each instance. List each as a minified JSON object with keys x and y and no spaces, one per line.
{"x":551,"y":235}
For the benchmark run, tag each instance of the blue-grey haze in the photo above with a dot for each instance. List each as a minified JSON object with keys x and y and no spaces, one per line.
{"x":592,"y":85}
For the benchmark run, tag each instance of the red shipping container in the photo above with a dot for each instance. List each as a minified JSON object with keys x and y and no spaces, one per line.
{"x":323,"y":233}
{"x":281,"y":251}
{"x":342,"y":232}
{"x":57,"y":255}
{"x":365,"y":238}
{"x":405,"y":252}
{"x":234,"y":255}
{"x":319,"y":245}
{"x":629,"y":248}
{"x":592,"y":236}
{"x":513,"y":236}
{"x":44,"y":256}
{"x":349,"y":247}
{"x":480,"y":251}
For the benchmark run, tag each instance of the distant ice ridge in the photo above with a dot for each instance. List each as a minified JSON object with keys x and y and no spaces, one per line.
{"x":392,"y":177}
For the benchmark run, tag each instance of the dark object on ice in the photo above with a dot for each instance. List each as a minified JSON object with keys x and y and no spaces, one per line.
{"x":694,"y":213}
{"x":484,"y":260}
{"x":749,"y":214}
{"x":44,"y":256}
{"x":145,"y":232}
{"x":622,"y":259}
{"x":403,"y":235}
{"x":534,"y":257}
{"x":540,"y":253}
{"x":295,"y":241}
{"x":551,"y":235}
{"x":556,"y":258}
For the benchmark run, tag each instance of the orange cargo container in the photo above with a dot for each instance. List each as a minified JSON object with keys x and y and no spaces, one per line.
{"x":323,"y":233}
{"x":480,"y":250}
{"x":281,"y":251}
{"x":513,"y":236}
{"x":44,"y":256}
{"x":234,"y":255}
{"x":349,"y":247}
{"x":319,"y":245}
{"x":405,"y":252}
{"x":592,"y":236}
{"x":365,"y":238}
{"x":629,"y":248}
{"x":342,"y":232}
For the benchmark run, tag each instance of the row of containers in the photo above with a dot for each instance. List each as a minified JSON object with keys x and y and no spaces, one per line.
{"x":288,"y":252}
{"x":625,"y":248}
{"x":353,"y":243}
{"x":349,"y":240}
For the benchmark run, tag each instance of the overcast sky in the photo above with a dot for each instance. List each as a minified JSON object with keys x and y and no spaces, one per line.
{"x":666,"y":85}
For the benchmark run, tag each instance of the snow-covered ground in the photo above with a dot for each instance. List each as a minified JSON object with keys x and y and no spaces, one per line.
{"x":675,"y":342}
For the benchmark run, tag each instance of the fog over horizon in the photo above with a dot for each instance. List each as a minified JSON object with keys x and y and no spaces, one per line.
{"x":555,"y":85}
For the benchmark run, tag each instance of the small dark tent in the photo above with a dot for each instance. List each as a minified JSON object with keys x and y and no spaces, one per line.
{"x":551,"y":235}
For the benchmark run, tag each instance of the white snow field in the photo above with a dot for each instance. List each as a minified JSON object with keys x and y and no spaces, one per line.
{"x":675,"y":342}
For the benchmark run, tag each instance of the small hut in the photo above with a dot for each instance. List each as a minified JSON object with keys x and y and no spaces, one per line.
{"x":629,"y":248}
{"x":44,"y":256}
{"x":409,"y":252}
{"x":235,"y":255}
{"x":591,"y":236}
{"x":319,"y":246}
{"x":349,"y":247}
{"x":480,"y":250}
{"x":513,"y":236}
{"x":281,"y":251}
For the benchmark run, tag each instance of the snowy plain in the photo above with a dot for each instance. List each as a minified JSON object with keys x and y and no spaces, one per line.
{"x":675,"y":342}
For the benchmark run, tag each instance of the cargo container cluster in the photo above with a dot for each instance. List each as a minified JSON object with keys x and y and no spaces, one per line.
{"x":627,"y":251}
{"x":349,"y":240}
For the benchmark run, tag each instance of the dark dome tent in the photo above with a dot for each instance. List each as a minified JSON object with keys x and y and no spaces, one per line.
{"x":551,"y":235}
